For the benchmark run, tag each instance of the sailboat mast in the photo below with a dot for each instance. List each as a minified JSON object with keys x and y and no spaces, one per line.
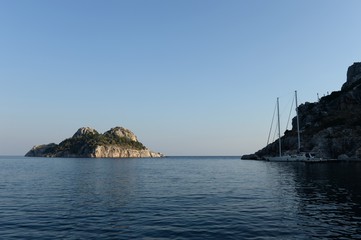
{"x":279,"y":128}
{"x":298,"y":125}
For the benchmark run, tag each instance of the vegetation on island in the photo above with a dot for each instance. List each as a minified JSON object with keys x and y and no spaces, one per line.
{"x":91,"y":140}
{"x":86,"y":140}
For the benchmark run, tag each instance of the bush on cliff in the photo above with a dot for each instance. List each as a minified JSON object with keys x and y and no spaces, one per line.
{"x":91,"y":140}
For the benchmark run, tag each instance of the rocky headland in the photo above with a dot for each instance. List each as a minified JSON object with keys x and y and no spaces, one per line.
{"x":330,"y":128}
{"x":118,"y":142}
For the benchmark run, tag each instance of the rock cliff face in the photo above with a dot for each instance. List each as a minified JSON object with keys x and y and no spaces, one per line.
{"x":330,"y":128}
{"x":118,"y":142}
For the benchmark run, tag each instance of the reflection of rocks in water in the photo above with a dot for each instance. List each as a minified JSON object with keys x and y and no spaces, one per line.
{"x":325,"y":190}
{"x":108,"y":184}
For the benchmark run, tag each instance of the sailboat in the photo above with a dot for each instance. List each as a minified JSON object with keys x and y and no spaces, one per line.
{"x":301,"y":156}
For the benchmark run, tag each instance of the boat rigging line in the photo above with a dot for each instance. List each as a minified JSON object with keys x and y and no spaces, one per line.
{"x":270,"y":130}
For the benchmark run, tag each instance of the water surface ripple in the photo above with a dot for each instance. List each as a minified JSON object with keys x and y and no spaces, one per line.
{"x":178,"y":198}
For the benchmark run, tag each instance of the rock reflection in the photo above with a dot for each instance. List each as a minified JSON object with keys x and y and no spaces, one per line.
{"x":328,"y":197}
{"x":104,"y":183}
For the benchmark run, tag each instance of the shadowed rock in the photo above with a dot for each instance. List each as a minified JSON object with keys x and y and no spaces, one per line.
{"x":331,"y":128}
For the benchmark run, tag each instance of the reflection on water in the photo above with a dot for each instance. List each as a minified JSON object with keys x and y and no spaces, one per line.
{"x":334,"y":191}
{"x":328,"y":198}
{"x":178,"y":198}
{"x":102,"y":181}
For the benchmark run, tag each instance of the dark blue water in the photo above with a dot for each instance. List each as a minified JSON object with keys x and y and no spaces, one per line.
{"x":178,"y":198}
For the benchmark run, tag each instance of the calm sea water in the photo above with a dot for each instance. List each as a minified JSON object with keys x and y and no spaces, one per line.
{"x":178,"y":198}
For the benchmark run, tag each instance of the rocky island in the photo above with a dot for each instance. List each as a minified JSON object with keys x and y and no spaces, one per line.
{"x":330,"y":128}
{"x":118,"y":142}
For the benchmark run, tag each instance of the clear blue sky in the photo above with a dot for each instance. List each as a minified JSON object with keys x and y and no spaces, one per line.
{"x":188,"y":77}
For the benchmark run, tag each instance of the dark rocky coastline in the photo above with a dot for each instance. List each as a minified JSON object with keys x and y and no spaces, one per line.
{"x":330,"y":128}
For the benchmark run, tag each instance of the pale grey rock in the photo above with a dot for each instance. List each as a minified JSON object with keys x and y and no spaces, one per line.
{"x":118,"y":142}
{"x":85,"y":130}
{"x":122,"y":132}
{"x":111,"y":151}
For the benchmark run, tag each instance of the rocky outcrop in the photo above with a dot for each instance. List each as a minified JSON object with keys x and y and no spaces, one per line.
{"x":84,"y":131}
{"x":41,"y":150}
{"x":122,"y":132}
{"x":118,"y":142}
{"x":330,"y":128}
{"x":118,"y":152}
{"x":353,"y":75}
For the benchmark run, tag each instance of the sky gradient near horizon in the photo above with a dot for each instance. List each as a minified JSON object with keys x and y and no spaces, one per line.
{"x":187,"y":77}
